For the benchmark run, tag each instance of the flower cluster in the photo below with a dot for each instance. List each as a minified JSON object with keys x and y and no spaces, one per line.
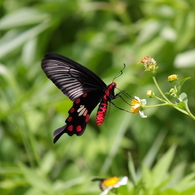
{"x":137,"y":105}
{"x":150,"y":64}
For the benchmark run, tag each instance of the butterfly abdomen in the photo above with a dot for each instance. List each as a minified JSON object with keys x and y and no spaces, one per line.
{"x":101,"y":112}
{"x":108,"y":96}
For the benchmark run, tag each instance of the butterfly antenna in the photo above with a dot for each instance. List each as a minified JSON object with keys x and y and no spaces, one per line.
{"x":120,"y":73}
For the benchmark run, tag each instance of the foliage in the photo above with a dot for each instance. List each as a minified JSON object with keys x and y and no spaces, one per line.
{"x":102,"y":35}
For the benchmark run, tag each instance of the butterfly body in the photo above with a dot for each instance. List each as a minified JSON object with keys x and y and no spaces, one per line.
{"x":83,"y":87}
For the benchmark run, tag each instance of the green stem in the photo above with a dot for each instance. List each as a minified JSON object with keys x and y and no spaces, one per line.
{"x":167,"y":100}
{"x":160,"y":99}
{"x":173,"y":105}
{"x":163,"y":95}
{"x":189,"y":113}
{"x":158,"y":105}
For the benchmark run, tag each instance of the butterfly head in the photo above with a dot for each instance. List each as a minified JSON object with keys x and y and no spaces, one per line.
{"x":113,"y":84}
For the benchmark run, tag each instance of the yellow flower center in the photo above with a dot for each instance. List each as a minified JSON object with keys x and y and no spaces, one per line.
{"x":135,"y":106}
{"x":111,"y":181}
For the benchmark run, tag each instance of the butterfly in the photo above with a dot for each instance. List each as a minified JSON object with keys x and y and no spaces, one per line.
{"x":83,"y":87}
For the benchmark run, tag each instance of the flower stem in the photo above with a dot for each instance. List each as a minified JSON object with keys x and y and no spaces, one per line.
{"x":189,"y":113}
{"x":168,"y":101}
{"x":154,"y":79}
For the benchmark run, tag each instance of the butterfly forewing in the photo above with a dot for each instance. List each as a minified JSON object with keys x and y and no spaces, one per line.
{"x":70,"y":77}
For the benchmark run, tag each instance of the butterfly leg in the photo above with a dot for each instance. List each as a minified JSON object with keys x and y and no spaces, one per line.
{"x":119,"y":107}
{"x":124,"y":93}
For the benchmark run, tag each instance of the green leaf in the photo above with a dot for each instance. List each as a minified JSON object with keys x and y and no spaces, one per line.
{"x":182,"y":105}
{"x":184,"y":97}
{"x":186,"y":183}
{"x":34,"y":179}
{"x":152,"y":153}
{"x":189,"y":191}
{"x":184,"y":101}
{"x":147,"y":178}
{"x":177,"y":174}
{"x":18,"y":38}
{"x":162,"y":166}
{"x":132,"y":169}
{"x":170,"y":192}
{"x":22,"y":17}
{"x":184,"y":80}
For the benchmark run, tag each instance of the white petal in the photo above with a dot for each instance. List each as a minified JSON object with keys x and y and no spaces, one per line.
{"x":143,"y":101}
{"x":137,"y":98}
{"x":122,"y":182}
{"x":136,"y":106}
{"x":141,"y":113}
{"x":106,"y":190}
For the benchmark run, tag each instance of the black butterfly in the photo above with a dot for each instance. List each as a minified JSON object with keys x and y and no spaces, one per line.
{"x":83,"y":87}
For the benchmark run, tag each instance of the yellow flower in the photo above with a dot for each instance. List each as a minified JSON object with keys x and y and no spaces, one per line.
{"x":136,"y":106}
{"x":172,"y":78}
{"x":107,"y":184}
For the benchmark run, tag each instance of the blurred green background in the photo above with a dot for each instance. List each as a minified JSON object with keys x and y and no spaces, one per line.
{"x":101,"y":35}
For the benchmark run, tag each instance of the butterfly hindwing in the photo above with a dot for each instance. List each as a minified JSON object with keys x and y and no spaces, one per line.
{"x":79,"y":114}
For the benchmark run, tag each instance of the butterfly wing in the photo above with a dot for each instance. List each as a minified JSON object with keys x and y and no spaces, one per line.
{"x":81,"y":85}
{"x":79,"y":114}
{"x":70,"y":77}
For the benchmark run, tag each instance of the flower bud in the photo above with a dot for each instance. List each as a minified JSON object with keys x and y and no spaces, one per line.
{"x":150,"y":93}
{"x":172,"y":92}
{"x":172,"y":78}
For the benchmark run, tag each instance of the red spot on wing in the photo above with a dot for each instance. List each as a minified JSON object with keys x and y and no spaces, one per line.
{"x":87,"y":118}
{"x":79,"y":128}
{"x":77,"y":101}
{"x":70,"y":128}
{"x":69,"y":119}
{"x":71,"y":110}
{"x":84,"y":95}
